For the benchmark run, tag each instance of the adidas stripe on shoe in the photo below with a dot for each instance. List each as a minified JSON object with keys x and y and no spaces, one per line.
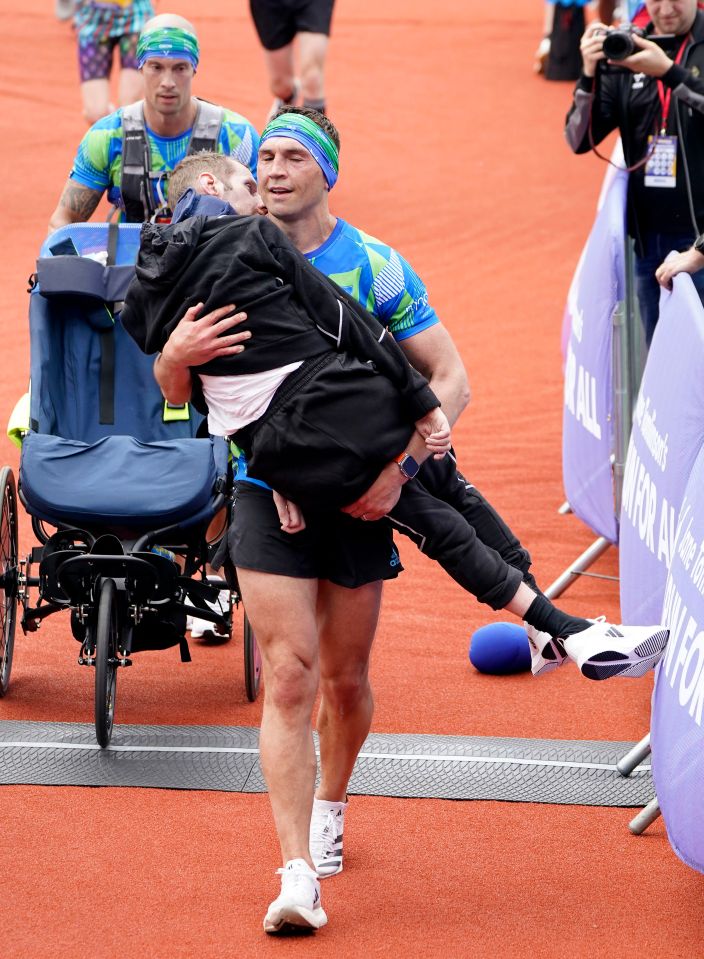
{"x":605,"y":650}
{"x":297,"y":908}
{"x":326,"y":829}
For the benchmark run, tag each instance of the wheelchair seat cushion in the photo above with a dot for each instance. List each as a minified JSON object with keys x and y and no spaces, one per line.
{"x":117,"y":480}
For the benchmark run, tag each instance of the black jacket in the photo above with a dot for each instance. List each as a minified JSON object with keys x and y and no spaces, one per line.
{"x":620,"y":99}
{"x":293,"y":311}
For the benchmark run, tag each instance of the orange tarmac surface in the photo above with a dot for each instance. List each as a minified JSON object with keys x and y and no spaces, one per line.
{"x":453,"y":153}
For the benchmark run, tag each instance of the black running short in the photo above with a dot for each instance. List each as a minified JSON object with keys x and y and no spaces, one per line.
{"x":333,"y":546}
{"x":278,"y":21}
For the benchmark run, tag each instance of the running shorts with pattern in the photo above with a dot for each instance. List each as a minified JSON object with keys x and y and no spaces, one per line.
{"x":97,"y":22}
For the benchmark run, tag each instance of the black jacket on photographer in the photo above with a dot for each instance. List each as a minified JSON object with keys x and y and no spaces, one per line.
{"x":619,"y":99}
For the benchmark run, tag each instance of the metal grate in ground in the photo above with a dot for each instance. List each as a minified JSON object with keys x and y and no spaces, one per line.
{"x":225,"y":758}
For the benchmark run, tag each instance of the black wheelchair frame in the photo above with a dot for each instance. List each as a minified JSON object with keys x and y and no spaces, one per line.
{"x":116,"y":589}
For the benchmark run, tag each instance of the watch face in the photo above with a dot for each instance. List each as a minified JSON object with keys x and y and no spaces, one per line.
{"x":409,"y":466}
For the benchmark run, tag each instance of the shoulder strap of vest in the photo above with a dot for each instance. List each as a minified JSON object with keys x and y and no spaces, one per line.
{"x":206,"y":127}
{"x":136,"y":163}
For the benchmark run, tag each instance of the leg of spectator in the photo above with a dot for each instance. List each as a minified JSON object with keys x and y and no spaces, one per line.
{"x":281,"y":72}
{"x":312,"y":50}
{"x":131,"y":87}
{"x":96,"y":99}
{"x":281,"y":610}
{"x":347,"y":623}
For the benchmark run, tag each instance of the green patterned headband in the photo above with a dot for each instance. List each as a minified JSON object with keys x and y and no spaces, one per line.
{"x":305,"y":131}
{"x":173,"y":43}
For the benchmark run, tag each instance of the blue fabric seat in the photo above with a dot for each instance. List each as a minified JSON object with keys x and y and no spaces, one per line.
{"x":120,"y":481}
{"x":103,"y":448}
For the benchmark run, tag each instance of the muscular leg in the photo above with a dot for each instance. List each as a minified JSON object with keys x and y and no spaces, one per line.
{"x":312,"y":49}
{"x":347,"y":622}
{"x":131,"y":87}
{"x":279,"y":64}
{"x":95,"y":65}
{"x":96,"y":99}
{"x":282,"y":611}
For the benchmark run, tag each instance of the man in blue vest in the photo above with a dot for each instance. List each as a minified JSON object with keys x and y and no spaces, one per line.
{"x":131,"y":152}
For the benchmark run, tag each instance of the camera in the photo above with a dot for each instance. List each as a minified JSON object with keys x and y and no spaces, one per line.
{"x":619,"y":44}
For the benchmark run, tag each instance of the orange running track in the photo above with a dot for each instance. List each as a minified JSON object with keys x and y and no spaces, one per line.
{"x":453,"y":153}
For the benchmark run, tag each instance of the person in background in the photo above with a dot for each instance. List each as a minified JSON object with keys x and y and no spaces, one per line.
{"x":282,"y":23}
{"x":655,"y":99}
{"x":130,"y":153}
{"x":100,"y":28}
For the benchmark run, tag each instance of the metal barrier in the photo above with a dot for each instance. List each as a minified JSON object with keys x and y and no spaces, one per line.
{"x":628,"y":361}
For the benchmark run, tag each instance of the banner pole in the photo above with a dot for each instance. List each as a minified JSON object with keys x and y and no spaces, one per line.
{"x":589,"y":556}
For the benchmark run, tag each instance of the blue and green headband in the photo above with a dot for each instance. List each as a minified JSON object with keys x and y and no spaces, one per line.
{"x":305,"y":131}
{"x":173,"y":43}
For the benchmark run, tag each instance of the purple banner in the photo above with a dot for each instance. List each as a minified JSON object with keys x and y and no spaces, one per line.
{"x":667,"y":435}
{"x":587,"y":440}
{"x":677,"y":730}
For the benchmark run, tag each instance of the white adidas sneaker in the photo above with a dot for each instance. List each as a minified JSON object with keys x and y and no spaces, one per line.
{"x":297,"y":907}
{"x":200,"y":628}
{"x":546,"y":653}
{"x":604,"y":650}
{"x":326,"y":827}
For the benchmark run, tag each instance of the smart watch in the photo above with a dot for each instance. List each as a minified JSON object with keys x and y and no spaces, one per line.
{"x":408,"y":466}
{"x":699,"y":244}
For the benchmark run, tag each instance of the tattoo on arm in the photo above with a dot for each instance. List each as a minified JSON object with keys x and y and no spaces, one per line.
{"x":79,"y":202}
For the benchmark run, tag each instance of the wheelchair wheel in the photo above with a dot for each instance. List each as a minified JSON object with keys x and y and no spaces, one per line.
{"x":9,"y":570}
{"x":106,"y":638}
{"x":252,"y":662}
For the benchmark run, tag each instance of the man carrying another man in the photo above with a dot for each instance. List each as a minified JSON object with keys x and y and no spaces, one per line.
{"x":131,"y":152}
{"x":296,"y":580}
{"x":656,"y":101}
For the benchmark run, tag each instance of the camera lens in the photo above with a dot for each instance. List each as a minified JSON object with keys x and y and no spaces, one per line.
{"x":618,"y":44}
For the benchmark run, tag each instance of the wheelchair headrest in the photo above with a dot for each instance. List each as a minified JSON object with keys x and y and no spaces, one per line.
{"x":81,"y":276}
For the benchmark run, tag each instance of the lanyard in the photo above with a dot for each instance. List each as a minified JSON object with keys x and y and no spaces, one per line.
{"x":666,"y":95}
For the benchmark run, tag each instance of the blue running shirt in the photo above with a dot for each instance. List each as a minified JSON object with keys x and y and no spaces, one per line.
{"x":98,"y":163}
{"x":377,"y":277}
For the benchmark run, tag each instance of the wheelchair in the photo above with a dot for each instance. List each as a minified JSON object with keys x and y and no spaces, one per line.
{"x":120,"y":486}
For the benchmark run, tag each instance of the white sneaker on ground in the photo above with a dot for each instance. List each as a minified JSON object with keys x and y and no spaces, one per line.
{"x":298,"y":905}
{"x":540,"y":58}
{"x":604,"y":650}
{"x":546,"y":653}
{"x":203,"y":627}
{"x":326,"y":827}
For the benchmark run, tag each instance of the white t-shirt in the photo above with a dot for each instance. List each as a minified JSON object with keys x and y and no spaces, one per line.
{"x":235,"y":401}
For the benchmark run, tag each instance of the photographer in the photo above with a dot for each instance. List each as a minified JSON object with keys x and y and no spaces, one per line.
{"x":655,"y":98}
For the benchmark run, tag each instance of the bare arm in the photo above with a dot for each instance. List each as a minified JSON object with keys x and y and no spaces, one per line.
{"x":196,"y":340}
{"x":433,"y":354}
{"x":76,"y":205}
